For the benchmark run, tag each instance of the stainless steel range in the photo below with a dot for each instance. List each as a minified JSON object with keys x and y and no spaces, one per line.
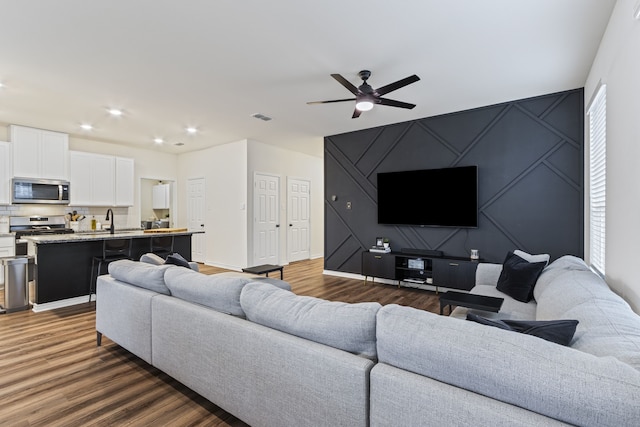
{"x":36,"y":225}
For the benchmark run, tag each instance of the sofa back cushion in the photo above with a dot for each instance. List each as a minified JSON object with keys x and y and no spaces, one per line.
{"x":221,"y":293}
{"x":349,"y":327}
{"x":557,"y":268}
{"x":519,"y":369}
{"x":141,"y":274}
{"x":608,"y":327}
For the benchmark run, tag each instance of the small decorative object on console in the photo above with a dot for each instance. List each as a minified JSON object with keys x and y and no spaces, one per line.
{"x":475,"y":254}
{"x":381,"y":246}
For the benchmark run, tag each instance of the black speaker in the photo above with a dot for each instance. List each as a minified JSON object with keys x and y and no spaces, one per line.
{"x":425,"y":252}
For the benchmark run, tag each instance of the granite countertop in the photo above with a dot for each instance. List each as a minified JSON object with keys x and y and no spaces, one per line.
{"x":100,"y":235}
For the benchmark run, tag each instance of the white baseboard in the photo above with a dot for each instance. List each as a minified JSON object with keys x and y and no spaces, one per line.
{"x":37,"y":308}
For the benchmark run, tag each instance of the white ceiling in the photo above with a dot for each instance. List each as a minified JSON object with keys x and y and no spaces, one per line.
{"x":211,"y":64}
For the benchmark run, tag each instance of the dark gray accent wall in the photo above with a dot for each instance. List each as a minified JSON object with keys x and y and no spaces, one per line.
{"x":529,"y":155}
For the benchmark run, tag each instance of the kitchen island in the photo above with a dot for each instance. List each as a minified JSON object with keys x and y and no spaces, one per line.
{"x":62,"y":270}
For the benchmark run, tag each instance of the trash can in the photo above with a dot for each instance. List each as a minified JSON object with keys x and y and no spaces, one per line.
{"x":14,"y":278}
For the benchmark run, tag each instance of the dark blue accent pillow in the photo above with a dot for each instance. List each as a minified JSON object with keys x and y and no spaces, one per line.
{"x":177,"y":259}
{"x":518,"y":277}
{"x":557,"y":331}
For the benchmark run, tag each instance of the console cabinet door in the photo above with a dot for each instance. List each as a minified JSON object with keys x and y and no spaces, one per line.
{"x":454,"y":274}
{"x":379,"y":265}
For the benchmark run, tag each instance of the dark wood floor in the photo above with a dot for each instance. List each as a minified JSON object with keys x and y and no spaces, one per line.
{"x":52,"y":373}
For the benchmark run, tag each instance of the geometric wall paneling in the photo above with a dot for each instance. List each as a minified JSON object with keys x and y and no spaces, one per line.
{"x":529,"y":155}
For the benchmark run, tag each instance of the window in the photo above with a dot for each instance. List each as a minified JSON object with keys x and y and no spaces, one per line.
{"x":597,"y":116}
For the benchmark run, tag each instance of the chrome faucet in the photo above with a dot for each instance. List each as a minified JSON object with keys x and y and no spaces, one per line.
{"x":111,"y":227}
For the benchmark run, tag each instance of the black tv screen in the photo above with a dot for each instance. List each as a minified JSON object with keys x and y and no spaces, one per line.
{"x":445,"y":197}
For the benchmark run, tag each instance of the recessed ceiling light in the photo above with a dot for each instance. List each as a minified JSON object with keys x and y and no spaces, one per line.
{"x":86,"y":126}
{"x":158,"y":140}
{"x":1,"y":84}
{"x":115,"y":112}
{"x":191,"y":130}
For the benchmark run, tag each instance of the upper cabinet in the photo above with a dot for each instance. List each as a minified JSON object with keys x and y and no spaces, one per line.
{"x":100,"y":180}
{"x":39,"y":153}
{"x":5,"y":173}
{"x":161,"y":196}
{"x":124,"y":181}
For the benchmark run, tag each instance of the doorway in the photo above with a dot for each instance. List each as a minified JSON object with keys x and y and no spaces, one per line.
{"x":156,"y":203}
{"x":298,"y":219}
{"x":266,"y":219}
{"x":195,"y":217}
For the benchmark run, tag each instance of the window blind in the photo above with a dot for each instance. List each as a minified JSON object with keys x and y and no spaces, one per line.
{"x":597,"y":113}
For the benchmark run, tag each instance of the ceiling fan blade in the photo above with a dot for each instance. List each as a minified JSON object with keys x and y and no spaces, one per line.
{"x":356,"y":113}
{"x":344,"y":82}
{"x":331,"y":101}
{"x":392,"y":103}
{"x":397,"y":85}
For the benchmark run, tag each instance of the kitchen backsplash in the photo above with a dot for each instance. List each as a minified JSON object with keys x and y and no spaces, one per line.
{"x":121,"y":214}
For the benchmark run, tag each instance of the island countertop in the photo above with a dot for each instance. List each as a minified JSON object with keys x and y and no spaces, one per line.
{"x":100,"y":235}
{"x":65,"y":267}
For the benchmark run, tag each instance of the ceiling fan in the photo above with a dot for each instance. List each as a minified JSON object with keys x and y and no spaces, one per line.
{"x":367,"y":97}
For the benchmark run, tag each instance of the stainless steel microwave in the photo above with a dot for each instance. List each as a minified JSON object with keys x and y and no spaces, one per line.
{"x":35,"y":190}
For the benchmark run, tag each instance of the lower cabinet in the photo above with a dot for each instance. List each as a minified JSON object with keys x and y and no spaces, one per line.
{"x":378,"y":265}
{"x":453,"y":273}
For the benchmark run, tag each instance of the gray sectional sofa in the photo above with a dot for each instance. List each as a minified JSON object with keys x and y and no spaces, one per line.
{"x":273,"y":358}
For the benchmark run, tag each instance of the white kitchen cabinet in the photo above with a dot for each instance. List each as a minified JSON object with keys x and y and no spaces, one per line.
{"x":39,"y":153}
{"x":7,"y":246}
{"x":5,"y":173}
{"x":124,"y":179}
{"x":100,"y":179}
{"x":161,"y":196}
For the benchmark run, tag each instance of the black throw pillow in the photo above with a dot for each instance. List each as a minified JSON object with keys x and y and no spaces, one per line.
{"x":557,"y":331}
{"x":518,"y":277}
{"x":177,"y":259}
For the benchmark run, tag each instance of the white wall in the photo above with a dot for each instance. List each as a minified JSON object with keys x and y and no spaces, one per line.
{"x":617,"y":64}
{"x":269,"y":159}
{"x":228,"y":171}
{"x":224,"y":169}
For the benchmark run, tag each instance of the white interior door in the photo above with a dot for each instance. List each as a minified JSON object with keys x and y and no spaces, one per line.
{"x":298,"y":232}
{"x":195,"y":214}
{"x":266,"y":219}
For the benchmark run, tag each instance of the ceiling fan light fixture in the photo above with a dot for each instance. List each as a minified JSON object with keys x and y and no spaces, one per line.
{"x":364,"y":104}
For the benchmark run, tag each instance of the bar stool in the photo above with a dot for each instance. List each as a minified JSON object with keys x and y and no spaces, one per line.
{"x":161,"y":246}
{"x":112,"y":250}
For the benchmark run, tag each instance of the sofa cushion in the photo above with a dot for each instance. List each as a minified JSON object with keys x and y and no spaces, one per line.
{"x":140,"y":274}
{"x":550,"y":379}
{"x":608,"y":328}
{"x":557,"y":331}
{"x":518,"y":277}
{"x":219,"y":292}
{"x":557,"y":268}
{"x":349,"y":327}
{"x":151,"y":258}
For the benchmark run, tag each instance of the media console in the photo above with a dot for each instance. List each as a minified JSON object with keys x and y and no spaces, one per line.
{"x":444,"y":272}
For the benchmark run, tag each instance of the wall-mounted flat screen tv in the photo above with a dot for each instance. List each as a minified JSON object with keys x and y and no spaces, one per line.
{"x":445,"y":197}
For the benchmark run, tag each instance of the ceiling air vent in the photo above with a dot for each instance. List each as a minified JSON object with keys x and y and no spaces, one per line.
{"x":179,"y":144}
{"x":261,"y":117}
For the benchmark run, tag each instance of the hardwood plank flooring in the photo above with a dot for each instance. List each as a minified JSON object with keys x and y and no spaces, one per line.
{"x":52,"y":373}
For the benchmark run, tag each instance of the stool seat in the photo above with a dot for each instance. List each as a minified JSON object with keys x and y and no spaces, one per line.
{"x":112,"y":250}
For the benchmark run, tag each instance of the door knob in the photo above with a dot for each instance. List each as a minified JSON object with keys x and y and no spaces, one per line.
{"x":290,"y":225}
{"x":277,"y":225}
